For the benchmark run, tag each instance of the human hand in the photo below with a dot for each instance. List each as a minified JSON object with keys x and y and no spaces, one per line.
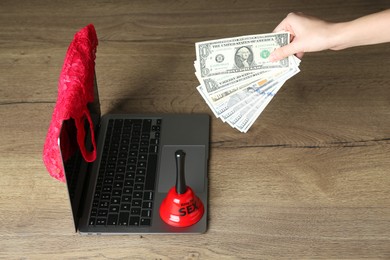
{"x":307,"y":34}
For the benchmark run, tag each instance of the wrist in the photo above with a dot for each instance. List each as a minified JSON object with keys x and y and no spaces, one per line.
{"x":338,"y":36}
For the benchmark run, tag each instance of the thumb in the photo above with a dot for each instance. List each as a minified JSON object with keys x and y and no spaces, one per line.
{"x":284,"y":52}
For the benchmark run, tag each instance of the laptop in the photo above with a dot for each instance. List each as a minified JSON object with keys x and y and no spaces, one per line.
{"x":122,"y":190}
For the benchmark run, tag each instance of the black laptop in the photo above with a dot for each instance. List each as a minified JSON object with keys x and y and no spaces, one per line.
{"x":121,"y":191}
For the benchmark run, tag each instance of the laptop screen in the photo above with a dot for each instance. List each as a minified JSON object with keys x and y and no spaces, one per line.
{"x":75,"y":167}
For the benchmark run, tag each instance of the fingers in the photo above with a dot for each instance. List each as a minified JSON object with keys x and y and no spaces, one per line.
{"x":284,"y":52}
{"x":282,"y":26}
{"x":299,"y":55}
{"x":291,"y":24}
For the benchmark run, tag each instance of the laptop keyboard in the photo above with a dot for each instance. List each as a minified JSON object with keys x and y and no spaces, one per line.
{"x":125,"y":187}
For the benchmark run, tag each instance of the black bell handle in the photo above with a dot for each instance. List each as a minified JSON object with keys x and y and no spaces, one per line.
{"x":181,"y":186}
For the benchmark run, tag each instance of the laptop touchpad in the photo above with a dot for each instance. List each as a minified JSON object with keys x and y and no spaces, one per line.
{"x":195,"y":167}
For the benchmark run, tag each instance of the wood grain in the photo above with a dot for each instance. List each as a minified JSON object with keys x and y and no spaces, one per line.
{"x":309,"y":180}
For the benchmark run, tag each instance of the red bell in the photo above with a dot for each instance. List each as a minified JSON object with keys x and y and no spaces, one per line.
{"x":181,"y":207}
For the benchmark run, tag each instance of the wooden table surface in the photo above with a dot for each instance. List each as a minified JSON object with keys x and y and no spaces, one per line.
{"x":309,"y":180}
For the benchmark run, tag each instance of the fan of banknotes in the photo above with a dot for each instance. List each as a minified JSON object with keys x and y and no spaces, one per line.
{"x":237,"y":80}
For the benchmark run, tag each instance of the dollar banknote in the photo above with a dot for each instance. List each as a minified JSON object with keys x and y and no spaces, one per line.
{"x":259,"y":97}
{"x":240,"y":54}
{"x":225,"y":81}
{"x":220,"y":102}
{"x":247,"y":120}
{"x":237,"y":80}
{"x":228,"y":98}
{"x":253,"y":94}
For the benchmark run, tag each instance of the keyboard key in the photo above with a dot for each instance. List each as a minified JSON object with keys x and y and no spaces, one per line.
{"x":112,"y":159}
{"x":134,"y":221}
{"x":141,"y":164}
{"x":119,"y":176}
{"x":118,"y":123}
{"x":153,"y":149}
{"x":114,"y":208}
{"x":151,"y":172}
{"x":106,"y":196}
{"x":126,"y":198}
{"x":132,"y":161}
{"x":136,"y":133}
{"x":94,"y":211}
{"x":108,"y":181}
{"x":145,"y":222}
{"x":128,"y":183}
{"x":127,"y":191}
{"x":145,"y":135}
{"x":141,"y":171}
{"x":92,"y":221}
{"x":118,"y":184}
{"x":137,"y":195}
{"x":124,"y":141}
{"x":138,"y":186}
{"x":133,"y":153}
{"x":128,"y":123}
{"x":122,"y":154}
{"x":153,"y":141}
{"x":140,"y":179}
{"x":124,"y":218}
{"x":135,"y":140}
{"x":101,"y":222}
{"x":110,"y":173}
{"x":144,"y":143}
{"x":146,"y":213}
{"x":117,"y":192}
{"x":129,"y":176}
{"x":125,"y":207}
{"x":115,"y":200}
{"x":104,"y":204}
{"x":143,"y":149}
{"x":134,"y":147}
{"x":112,"y":219}
{"x":123,"y":148}
{"x":148,"y":195}
{"x":111,"y":166}
{"x":131,"y":168}
{"x":147,"y":205}
{"x":135,"y":211}
{"x":119,"y":169}
{"x":97,"y":195}
{"x":95,"y":203}
{"x":98,"y":187}
{"x":122,"y":161}
{"x":102,"y":213}
{"x":107,"y":189}
{"x":142,"y":156}
{"x":136,"y":203}
{"x":146,"y":126}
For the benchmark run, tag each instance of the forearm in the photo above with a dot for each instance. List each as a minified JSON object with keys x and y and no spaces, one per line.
{"x":370,"y":29}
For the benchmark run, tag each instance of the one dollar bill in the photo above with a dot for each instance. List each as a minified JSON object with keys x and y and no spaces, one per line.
{"x":239,"y":54}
